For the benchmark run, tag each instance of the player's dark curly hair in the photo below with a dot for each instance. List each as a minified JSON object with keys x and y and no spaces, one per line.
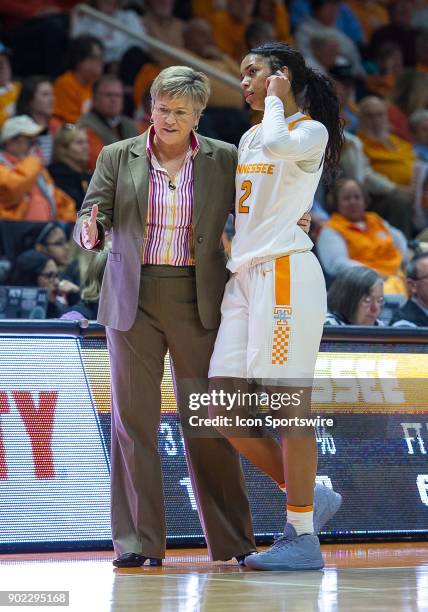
{"x":320,"y":100}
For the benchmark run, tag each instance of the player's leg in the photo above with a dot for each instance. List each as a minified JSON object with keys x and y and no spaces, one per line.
{"x":228,"y":373}
{"x":284,"y":359}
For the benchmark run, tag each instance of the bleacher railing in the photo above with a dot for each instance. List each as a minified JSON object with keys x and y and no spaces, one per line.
{"x":157,"y":45}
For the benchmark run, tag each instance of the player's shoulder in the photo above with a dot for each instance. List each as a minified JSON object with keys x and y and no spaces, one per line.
{"x":306,"y":122}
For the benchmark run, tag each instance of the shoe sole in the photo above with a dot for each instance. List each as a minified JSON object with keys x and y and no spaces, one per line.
{"x":278,"y":567}
{"x":332,"y":508}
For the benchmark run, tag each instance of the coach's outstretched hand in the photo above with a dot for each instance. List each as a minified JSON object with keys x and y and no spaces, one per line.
{"x":90,"y":230}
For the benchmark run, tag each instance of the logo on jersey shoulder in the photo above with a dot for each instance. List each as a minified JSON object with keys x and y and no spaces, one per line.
{"x":255,"y":168}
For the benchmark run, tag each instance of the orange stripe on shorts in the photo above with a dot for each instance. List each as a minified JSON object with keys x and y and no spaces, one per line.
{"x":282,"y":281}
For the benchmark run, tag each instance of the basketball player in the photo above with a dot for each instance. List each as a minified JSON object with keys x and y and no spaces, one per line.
{"x":274,"y":304}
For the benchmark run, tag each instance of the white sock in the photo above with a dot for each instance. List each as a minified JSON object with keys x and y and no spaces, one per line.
{"x":303,"y":520}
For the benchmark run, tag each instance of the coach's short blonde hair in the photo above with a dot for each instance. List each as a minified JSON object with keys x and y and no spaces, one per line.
{"x":182,"y":82}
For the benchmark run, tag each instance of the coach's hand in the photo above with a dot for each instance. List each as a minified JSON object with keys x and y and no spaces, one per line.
{"x":305,"y":222}
{"x":90,"y":230}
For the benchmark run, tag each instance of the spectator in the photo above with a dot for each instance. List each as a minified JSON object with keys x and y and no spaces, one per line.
{"x":9,"y":90}
{"x":345,"y":83}
{"x":225,"y":112}
{"x":323,"y":19}
{"x":160,"y":23}
{"x":387,"y":67}
{"x":35,"y":269}
{"x":38,"y":34}
{"x":115,"y":42}
{"x":354,"y":237}
{"x":37,"y":101}
{"x":419,"y":126}
{"x":105,"y":123}
{"x":27,"y":191}
{"x":257,"y":33}
{"x":389,"y":154}
{"x":199,"y":41}
{"x":346,"y":21}
{"x":414,"y":313}
{"x":411,"y":92}
{"x":87,"y":307}
{"x":355,"y":298}
{"x":389,"y":200}
{"x":73,"y":89}
{"x":371,"y":15}
{"x":53,"y":242}
{"x":229,"y":27}
{"x":399,"y":30}
{"x":325,"y":51}
{"x":70,"y":162}
{"x":275,"y":13}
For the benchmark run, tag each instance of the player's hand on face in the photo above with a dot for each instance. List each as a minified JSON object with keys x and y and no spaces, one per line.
{"x":305,"y":222}
{"x":90,"y":230}
{"x":278,"y":84}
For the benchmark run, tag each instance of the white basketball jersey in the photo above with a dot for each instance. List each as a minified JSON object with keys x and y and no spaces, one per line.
{"x":280,"y":163}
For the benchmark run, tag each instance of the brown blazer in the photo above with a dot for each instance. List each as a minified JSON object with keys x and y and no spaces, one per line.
{"x":120,"y":187}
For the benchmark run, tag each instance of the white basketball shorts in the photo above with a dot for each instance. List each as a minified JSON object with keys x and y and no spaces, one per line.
{"x":272,"y":321}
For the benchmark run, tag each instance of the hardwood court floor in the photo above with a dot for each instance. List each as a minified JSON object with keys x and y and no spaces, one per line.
{"x":357,"y":578}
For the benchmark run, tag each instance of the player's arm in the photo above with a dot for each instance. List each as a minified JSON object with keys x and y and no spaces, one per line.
{"x":306,"y":141}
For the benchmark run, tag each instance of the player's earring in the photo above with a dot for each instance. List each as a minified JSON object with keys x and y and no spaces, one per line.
{"x":151,"y":120}
{"x":196,"y":127}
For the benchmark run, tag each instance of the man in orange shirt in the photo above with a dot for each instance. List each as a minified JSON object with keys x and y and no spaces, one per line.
{"x":27,"y":191}
{"x":388,"y":154}
{"x":73,"y":89}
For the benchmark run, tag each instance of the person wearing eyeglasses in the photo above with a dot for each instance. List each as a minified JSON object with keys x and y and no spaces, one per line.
{"x":35,"y":269}
{"x":164,"y":197}
{"x":353,"y":236}
{"x":355,"y":298}
{"x":414,"y":313}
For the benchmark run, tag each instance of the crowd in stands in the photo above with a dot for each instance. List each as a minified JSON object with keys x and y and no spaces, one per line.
{"x":71,"y":84}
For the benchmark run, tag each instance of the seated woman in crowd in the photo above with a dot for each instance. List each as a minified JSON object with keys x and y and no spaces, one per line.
{"x":355,"y":298}
{"x":354,"y":237}
{"x":27,"y":191}
{"x":69,"y":168}
{"x":35,"y":269}
{"x":37,"y":101}
{"x":87,"y":307}
{"x":52,"y":241}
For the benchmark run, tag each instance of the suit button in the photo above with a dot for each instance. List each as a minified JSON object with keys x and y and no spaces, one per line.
{"x":200,"y":239}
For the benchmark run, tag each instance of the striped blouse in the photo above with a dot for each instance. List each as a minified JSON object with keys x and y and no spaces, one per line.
{"x":168,"y":236}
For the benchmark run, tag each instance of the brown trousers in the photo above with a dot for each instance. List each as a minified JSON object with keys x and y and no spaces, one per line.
{"x":167,"y":318}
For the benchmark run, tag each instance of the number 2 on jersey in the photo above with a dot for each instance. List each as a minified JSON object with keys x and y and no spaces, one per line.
{"x":246,"y":188}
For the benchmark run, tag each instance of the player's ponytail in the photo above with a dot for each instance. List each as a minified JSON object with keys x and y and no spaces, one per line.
{"x":315,"y":94}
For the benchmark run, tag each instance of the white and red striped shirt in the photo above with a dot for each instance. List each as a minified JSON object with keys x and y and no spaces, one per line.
{"x":168,"y":236}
